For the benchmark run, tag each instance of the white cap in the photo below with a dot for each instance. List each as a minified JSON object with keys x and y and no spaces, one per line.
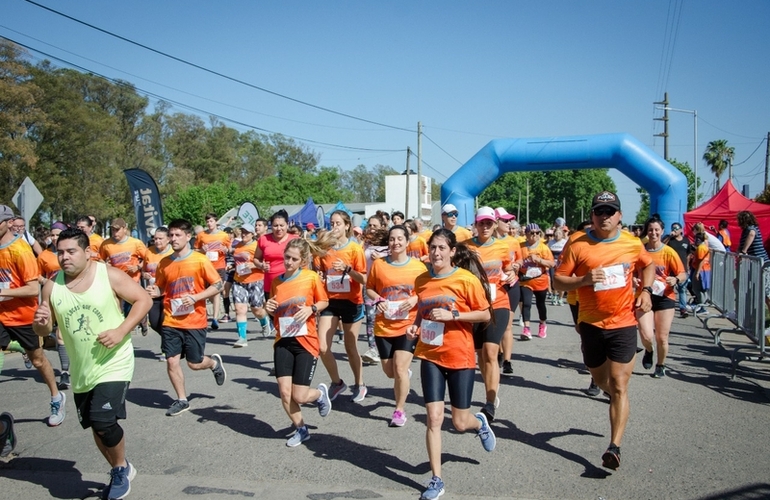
{"x":503,"y":214}
{"x":448,"y":208}
{"x":248,"y":227}
{"x":485,"y":213}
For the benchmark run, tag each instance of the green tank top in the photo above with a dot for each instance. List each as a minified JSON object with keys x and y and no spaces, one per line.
{"x":81,"y":318}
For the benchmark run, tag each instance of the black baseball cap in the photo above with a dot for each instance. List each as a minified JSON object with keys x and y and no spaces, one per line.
{"x":606,"y":199}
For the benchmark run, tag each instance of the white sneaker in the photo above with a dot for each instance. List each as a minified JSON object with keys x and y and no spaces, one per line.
{"x":58,"y":411}
{"x":371,"y":356}
{"x":241,"y":342}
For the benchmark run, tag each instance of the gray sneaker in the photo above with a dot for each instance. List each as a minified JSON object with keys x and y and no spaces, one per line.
{"x":299,"y":437}
{"x":177,"y":407}
{"x":337,"y":389}
{"x":8,"y":436}
{"x":58,"y":411}
{"x":488,"y":439}
{"x":359,"y":393}
{"x":220,"y":375}
{"x":323,"y":402}
{"x":64,"y":381}
{"x":241,"y":342}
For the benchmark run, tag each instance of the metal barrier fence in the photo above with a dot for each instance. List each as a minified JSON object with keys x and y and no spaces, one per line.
{"x":738,"y":293}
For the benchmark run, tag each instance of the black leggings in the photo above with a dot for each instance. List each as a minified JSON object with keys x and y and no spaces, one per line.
{"x":514,"y":296}
{"x":156,"y":314}
{"x":526,"y":303}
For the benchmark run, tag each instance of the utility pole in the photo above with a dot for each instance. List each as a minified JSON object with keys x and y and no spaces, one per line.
{"x":406,"y":209}
{"x":767,"y":158}
{"x":419,"y":169}
{"x":664,"y":135}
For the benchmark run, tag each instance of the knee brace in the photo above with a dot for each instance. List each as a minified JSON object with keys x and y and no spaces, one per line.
{"x":109,"y":433}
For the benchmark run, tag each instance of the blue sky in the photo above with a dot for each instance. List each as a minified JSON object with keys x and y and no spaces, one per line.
{"x":469,"y":71}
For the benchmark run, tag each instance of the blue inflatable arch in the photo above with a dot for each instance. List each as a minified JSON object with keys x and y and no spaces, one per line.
{"x":666,"y":185}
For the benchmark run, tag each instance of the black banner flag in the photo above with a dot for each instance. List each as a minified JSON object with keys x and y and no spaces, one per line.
{"x":146,"y":200}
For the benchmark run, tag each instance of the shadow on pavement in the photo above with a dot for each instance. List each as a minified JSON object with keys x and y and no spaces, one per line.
{"x":748,"y":492}
{"x":242,"y":423}
{"x":59,"y":477}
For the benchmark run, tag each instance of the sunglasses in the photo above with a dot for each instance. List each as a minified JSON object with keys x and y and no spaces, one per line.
{"x":452,"y":214}
{"x":535,"y":232}
{"x":602,"y":211}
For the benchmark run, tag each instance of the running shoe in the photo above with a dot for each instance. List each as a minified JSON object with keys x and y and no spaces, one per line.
{"x":214,"y":324}
{"x":8,"y":436}
{"x":323,"y":402}
{"x":337,"y":389}
{"x":399,"y":419}
{"x":488,"y":439}
{"x":143,"y":327}
{"x":526,"y":333}
{"x":220,"y":375}
{"x":241,"y":342}
{"x":268,"y":330}
{"x":611,"y":457}
{"x":593,"y":389}
{"x":225,"y":319}
{"x":660,"y":371}
{"x":64,"y":381}
{"x":435,"y":489}
{"x":162,"y":357}
{"x":299,"y":437}
{"x":521,"y":321}
{"x":683,"y":313}
{"x":359,"y":393}
{"x":700,"y":310}
{"x":647,"y":360}
{"x":58,"y":411}
{"x":120,"y":481}
{"x":542,"y":331}
{"x":27,"y":361}
{"x":177,"y":407}
{"x":507,"y":369}
{"x":371,"y":356}
{"x":489,"y":411}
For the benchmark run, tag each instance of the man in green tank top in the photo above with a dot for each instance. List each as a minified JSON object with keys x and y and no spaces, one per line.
{"x":83,"y":300}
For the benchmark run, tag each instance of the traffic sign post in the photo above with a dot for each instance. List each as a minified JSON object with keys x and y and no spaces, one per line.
{"x":27,"y":199}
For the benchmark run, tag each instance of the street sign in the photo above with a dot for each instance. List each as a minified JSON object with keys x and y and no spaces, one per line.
{"x":27,"y":199}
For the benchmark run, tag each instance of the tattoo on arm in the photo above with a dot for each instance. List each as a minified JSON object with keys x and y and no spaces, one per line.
{"x":218,"y":285}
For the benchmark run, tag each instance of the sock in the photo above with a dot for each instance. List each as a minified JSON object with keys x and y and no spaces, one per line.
{"x":241,"y":329}
{"x":2,"y":360}
{"x":226,"y":302}
{"x":64,"y":359}
{"x":57,"y":398}
{"x":263,"y":321}
{"x":183,"y":399}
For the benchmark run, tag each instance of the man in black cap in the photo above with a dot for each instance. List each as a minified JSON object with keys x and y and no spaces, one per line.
{"x":683,"y":247}
{"x":601,"y":264}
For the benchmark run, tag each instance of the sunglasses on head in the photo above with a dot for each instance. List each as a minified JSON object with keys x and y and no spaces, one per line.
{"x":452,"y":214}
{"x":601,"y":211}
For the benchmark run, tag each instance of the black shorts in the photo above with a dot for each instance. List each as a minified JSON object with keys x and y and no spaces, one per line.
{"x":660,"y":303}
{"x":599,"y":344}
{"x":574,"y":309}
{"x":491,"y":333}
{"x":386,"y":346}
{"x":292,"y":360}
{"x":230,"y":278}
{"x":190,"y":344}
{"x":344,"y":309}
{"x":436,"y":378}
{"x":91,"y":405}
{"x":24,"y":334}
{"x":222,"y":275}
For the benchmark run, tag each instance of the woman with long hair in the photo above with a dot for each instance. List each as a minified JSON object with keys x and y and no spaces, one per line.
{"x":751,"y":243}
{"x":537,"y":259}
{"x":655,"y":324}
{"x":512,"y":285}
{"x":344,"y":270}
{"x":390,"y":287}
{"x":375,"y":247}
{"x":451,"y":298}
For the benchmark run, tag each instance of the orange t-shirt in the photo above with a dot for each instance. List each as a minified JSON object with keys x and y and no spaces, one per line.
{"x":609,"y":305}
{"x":539,"y":274}
{"x":701,"y":254}
{"x":426,"y":234}
{"x":243,"y":254}
{"x":417,"y":248}
{"x":667,"y":263}
{"x":18,"y":267}
{"x":514,"y":246}
{"x":95,"y":244}
{"x":48,"y":263}
{"x":177,"y":277}
{"x":462,"y":234}
{"x":293,"y":293}
{"x":460,"y":290}
{"x":152,"y":258}
{"x":496,"y":256}
{"x":214,"y":246}
{"x":394,"y":282}
{"x":725,"y":234}
{"x":352,"y":255}
{"x":123,"y":254}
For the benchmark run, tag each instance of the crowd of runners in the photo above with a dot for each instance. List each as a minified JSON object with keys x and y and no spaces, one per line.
{"x":448,"y":296}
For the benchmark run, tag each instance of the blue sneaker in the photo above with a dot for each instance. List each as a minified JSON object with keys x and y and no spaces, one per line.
{"x":299,"y":437}
{"x":120,"y":481}
{"x":488,"y":439}
{"x":214,"y":324}
{"x":323,"y":402}
{"x":435,"y":489}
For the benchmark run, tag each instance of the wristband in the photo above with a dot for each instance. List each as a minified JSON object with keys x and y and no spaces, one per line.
{"x":348,"y":269}
{"x":314,"y":308}
{"x":647,"y":289}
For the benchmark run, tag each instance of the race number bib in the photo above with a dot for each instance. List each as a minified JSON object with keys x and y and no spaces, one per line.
{"x":337,"y":284}
{"x":5,"y":285}
{"x":291,"y":328}
{"x":614,"y":277}
{"x":212,"y":256}
{"x":243,"y":269}
{"x":394,"y":310}
{"x":658,"y":287}
{"x":179,"y":308}
{"x":432,"y":332}
{"x":533,"y":272}
{"x":493,"y":291}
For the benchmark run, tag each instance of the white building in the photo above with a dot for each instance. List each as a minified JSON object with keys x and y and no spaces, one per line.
{"x":420,"y":201}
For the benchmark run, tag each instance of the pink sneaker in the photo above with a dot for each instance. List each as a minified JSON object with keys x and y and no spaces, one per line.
{"x":399,"y":419}
{"x":541,"y":332}
{"x":526,"y":333}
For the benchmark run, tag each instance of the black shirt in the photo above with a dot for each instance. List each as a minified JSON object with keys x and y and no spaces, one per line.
{"x":682,"y":248}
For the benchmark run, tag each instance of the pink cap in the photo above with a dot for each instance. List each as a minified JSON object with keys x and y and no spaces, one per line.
{"x":485,"y":213}
{"x":503,"y":214}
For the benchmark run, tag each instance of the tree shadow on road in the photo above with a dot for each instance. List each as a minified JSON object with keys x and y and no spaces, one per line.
{"x":59,"y":477}
{"x":157,"y":398}
{"x":242,"y":423}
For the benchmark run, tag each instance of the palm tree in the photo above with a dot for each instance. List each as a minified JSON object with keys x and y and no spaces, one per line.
{"x":718,"y":156}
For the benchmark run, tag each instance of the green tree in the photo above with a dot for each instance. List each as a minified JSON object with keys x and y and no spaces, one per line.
{"x":366,"y":185}
{"x":718,"y":156}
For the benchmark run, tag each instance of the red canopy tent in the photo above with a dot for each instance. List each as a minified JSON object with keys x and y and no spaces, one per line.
{"x":725,"y":205}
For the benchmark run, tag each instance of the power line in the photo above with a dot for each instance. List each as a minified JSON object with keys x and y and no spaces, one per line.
{"x":442,"y":149}
{"x":217,"y":73}
{"x":726,"y":131}
{"x":752,"y":153}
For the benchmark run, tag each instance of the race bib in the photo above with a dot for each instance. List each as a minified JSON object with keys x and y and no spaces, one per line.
{"x":533,"y":272}
{"x":614,"y":277}
{"x":291,"y":328}
{"x":243,"y":269}
{"x":178,"y":308}
{"x":658,"y":287}
{"x":337,"y":284}
{"x":212,"y":256}
{"x":432,"y":332}
{"x":394,"y":311}
{"x":5,"y":285}
{"x":493,"y":291}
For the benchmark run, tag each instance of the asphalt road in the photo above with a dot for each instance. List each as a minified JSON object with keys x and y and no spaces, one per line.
{"x":693,"y":435}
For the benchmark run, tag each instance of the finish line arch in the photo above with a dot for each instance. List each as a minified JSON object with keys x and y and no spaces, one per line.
{"x":666,"y":185}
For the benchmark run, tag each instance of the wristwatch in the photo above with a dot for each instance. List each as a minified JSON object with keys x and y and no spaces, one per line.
{"x":314,"y":308}
{"x":455,"y":313}
{"x":647,"y":289}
